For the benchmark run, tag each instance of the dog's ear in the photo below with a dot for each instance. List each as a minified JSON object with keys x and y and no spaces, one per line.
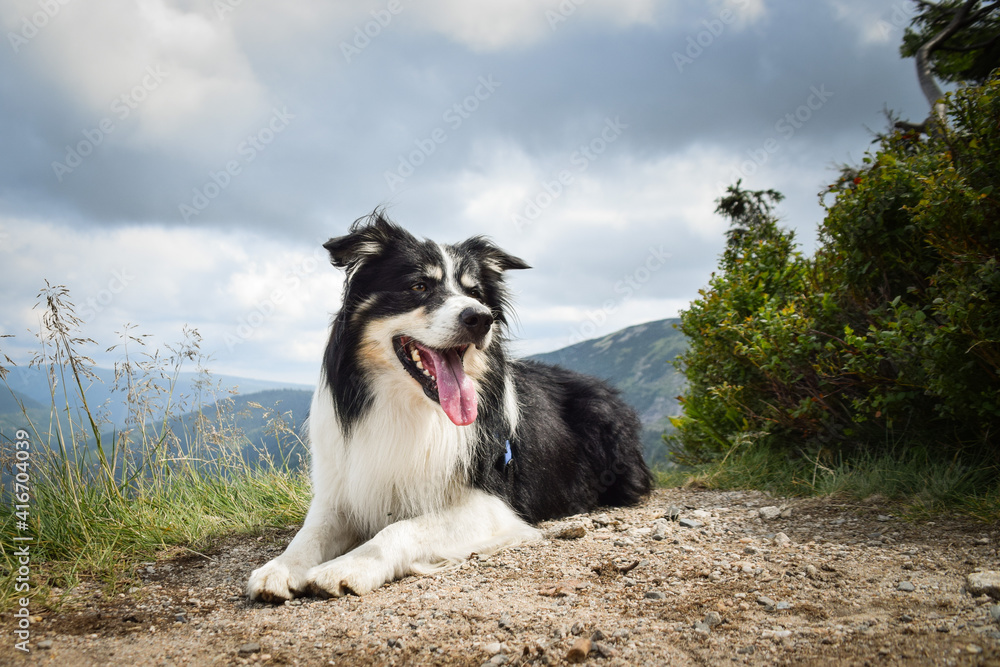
{"x":492,"y":257}
{"x":367,"y":238}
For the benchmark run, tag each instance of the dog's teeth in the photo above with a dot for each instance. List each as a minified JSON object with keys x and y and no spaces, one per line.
{"x":415,"y":355}
{"x":419,"y":363}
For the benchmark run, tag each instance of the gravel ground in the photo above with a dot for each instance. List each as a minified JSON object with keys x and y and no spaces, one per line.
{"x":688,"y":577}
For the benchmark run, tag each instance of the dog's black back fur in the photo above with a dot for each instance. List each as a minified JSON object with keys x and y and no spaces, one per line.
{"x":576,"y":447}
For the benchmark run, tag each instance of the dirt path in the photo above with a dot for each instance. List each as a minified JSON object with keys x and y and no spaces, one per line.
{"x":819,"y":584}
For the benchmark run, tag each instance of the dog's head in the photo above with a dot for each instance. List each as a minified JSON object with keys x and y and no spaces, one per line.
{"x":425,"y":311}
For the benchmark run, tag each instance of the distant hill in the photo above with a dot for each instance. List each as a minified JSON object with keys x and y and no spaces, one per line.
{"x":267,"y":421}
{"x":636,"y":360}
{"x":102,"y":395}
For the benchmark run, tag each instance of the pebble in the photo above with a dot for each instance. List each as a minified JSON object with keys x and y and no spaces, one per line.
{"x":701,"y":514}
{"x":44,"y":644}
{"x":661,"y":529}
{"x":581,"y":648}
{"x":248,"y":648}
{"x":702,"y":628}
{"x":673,"y":513}
{"x":573,"y":532}
{"x":906,"y":587}
{"x":769,"y":513}
{"x":782,"y":540}
{"x":995,"y":612}
{"x":984,"y":583}
{"x":655,"y":595}
{"x":712,"y":619}
{"x":783,"y":605}
{"x":493,"y":648}
{"x":604,"y":650}
{"x":765,"y":602}
{"x":690,"y":523}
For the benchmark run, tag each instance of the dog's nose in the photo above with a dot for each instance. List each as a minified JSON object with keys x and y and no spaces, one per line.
{"x":478,"y":322}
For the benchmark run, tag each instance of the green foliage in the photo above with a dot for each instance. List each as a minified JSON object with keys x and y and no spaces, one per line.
{"x":890,"y":334}
{"x":971,"y":54}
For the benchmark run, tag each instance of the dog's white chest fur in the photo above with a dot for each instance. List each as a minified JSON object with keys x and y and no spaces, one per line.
{"x":404,"y":459}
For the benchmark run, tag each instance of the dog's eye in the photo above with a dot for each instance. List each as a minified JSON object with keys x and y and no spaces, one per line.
{"x":476,"y":293}
{"x":419,"y":287}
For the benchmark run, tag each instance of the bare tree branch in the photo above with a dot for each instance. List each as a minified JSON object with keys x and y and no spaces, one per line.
{"x":925,"y":75}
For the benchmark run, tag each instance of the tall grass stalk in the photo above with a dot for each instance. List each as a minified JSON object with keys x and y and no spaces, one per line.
{"x":105,"y":499}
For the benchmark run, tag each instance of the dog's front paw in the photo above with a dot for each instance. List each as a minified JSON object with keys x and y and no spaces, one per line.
{"x":348,"y":574}
{"x":274,"y":582}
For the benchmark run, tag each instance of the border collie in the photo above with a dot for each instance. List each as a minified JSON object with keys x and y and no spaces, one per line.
{"x":428,"y":443}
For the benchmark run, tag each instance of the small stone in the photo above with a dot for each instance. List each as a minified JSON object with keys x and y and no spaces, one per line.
{"x":765,"y":602}
{"x":504,"y":621}
{"x":655,"y":595}
{"x":597,"y":636}
{"x":995,"y":612}
{"x":573,"y":532}
{"x":982,"y":541}
{"x":580,"y":650}
{"x":883,"y":517}
{"x":673,"y":513}
{"x":769,"y":513}
{"x":493,"y":648}
{"x":248,"y":648}
{"x":690,"y":523}
{"x":745,"y":650}
{"x":782,"y":540}
{"x":701,"y":515}
{"x":712,"y":619}
{"x":702,"y":628}
{"x":906,"y":587}
{"x":604,"y":650}
{"x":45,"y":644}
{"x":577,"y":629}
{"x":812,"y":572}
{"x":661,"y":529}
{"x":906,"y":618}
{"x":783,"y":605}
{"x":601,"y":520}
{"x":181,"y":618}
{"x":786,"y":513}
{"x":973,"y":649}
{"x":984,"y":583}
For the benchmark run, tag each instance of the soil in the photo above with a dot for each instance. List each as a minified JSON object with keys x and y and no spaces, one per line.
{"x":824,"y":582}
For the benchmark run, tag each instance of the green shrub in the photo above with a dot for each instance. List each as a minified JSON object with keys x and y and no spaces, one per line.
{"x":890,"y":334}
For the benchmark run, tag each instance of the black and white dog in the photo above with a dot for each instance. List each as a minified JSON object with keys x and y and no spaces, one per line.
{"x":428,"y":443}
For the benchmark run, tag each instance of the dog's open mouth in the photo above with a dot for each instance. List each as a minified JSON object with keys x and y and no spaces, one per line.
{"x":442,"y":376}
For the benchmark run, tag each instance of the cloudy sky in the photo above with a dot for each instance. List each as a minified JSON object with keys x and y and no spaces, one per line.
{"x":179,"y":162}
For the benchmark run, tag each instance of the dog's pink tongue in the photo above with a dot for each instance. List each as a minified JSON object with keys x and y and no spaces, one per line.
{"x":456,"y":392}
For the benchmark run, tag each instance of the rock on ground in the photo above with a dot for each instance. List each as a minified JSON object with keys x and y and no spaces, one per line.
{"x":626,"y":590}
